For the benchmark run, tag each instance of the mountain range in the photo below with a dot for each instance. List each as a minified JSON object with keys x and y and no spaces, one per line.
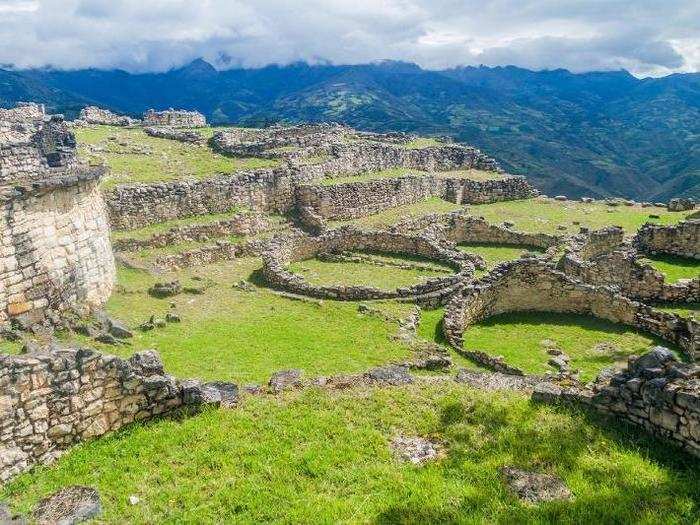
{"x":601,"y":134}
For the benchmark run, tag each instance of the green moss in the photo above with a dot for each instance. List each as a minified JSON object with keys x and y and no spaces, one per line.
{"x":134,"y":156}
{"x":675,"y":268}
{"x":10,"y":347}
{"x":537,"y":215}
{"x":320,"y":457}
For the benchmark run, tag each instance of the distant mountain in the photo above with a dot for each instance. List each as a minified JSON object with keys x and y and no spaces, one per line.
{"x":596,"y":134}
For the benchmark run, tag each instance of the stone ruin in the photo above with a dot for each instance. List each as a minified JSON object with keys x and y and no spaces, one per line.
{"x":174,"y":118}
{"x":55,"y":252}
{"x":55,"y":257}
{"x":97,"y":116}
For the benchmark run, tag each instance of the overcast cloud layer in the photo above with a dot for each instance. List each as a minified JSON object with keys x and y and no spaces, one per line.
{"x":647,"y":37}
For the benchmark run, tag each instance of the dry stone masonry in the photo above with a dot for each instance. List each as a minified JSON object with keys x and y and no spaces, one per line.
{"x":191,"y":137}
{"x":174,"y":118}
{"x":98,"y":116}
{"x":54,"y":235}
{"x":682,"y":239}
{"x":655,"y":392}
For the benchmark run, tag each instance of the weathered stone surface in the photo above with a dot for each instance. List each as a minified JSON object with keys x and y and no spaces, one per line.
{"x":390,"y":375}
{"x":417,"y":450}
{"x":284,"y":380}
{"x":68,"y":506}
{"x":681,"y":239}
{"x":54,"y":237}
{"x":681,"y":204}
{"x":174,"y":118}
{"x":99,"y":116}
{"x":162,"y":290}
{"x":533,"y":487}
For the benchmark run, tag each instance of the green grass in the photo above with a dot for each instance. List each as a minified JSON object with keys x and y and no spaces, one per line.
{"x":230,"y":334}
{"x":319,"y":457}
{"x":137,"y":157}
{"x":538,"y":215}
{"x":162,"y":227}
{"x":394,"y":215}
{"x":675,"y":268}
{"x":686,"y":310}
{"x":363,"y":274}
{"x":494,"y":254}
{"x":518,"y":338}
{"x":10,"y":347}
{"x":423,"y":142}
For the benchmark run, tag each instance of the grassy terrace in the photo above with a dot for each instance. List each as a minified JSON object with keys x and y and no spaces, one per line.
{"x":133,"y":156}
{"x":393,"y":215}
{"x":319,"y":457}
{"x":162,"y":227}
{"x":230,"y":334}
{"x":472,"y":174}
{"x":539,"y":215}
{"x":686,"y":310}
{"x":356,"y":274}
{"x":675,"y":268}
{"x":494,"y":254}
{"x":522,"y":338}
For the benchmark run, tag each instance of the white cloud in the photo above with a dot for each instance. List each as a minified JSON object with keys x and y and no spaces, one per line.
{"x":644,"y":36}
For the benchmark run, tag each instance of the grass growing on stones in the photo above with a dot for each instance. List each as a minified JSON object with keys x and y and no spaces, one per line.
{"x":675,"y":268}
{"x":230,"y":334}
{"x":592,"y":344}
{"x":540,"y":215}
{"x":408,"y":211}
{"x":686,"y":310}
{"x":320,"y":457}
{"x":423,"y":142}
{"x":10,"y":347}
{"x":472,"y":174}
{"x":133,"y":156}
{"x":319,"y":272}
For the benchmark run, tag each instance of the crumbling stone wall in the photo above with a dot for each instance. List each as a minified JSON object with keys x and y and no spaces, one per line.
{"x":286,"y":249}
{"x":239,"y":224}
{"x":359,"y":199}
{"x":54,"y":236}
{"x":655,"y":392}
{"x":174,"y":118}
{"x":603,"y":258}
{"x":135,"y":205}
{"x":32,"y":145}
{"x":534,"y":285}
{"x":51,"y":401}
{"x":682,"y":239}
{"x":99,"y":116}
{"x":191,"y":137}
{"x":461,"y":227}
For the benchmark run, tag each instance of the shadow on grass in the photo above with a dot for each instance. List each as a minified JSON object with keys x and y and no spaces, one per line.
{"x":596,"y":455}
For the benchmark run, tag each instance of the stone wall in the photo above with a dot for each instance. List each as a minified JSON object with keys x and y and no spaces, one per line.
{"x":191,"y":137}
{"x":682,"y":239}
{"x":655,"y":392}
{"x":534,"y":285}
{"x":174,"y":118}
{"x":359,"y":199}
{"x":603,"y":258}
{"x":239,"y":224}
{"x":99,"y":116}
{"x":51,"y":401}
{"x":136,"y":205}
{"x":54,"y":236}
{"x":32,"y":145}
{"x":287,"y":249}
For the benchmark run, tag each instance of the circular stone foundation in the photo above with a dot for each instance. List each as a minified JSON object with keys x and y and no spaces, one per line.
{"x":286,"y":250}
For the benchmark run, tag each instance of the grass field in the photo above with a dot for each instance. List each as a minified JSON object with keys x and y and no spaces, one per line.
{"x":319,"y":457}
{"x":133,"y":156}
{"x":686,"y":310}
{"x":358,"y":274}
{"x":539,"y":215}
{"x":230,"y":334}
{"x":592,"y":344}
{"x":675,"y":268}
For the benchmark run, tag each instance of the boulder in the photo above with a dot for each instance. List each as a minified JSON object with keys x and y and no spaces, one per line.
{"x":70,"y":505}
{"x":161,"y":290}
{"x":533,"y":487}
{"x":681,"y":204}
{"x":390,"y":375}
{"x":285,"y":380}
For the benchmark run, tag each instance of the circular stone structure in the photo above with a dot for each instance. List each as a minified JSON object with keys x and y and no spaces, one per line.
{"x":285,"y":250}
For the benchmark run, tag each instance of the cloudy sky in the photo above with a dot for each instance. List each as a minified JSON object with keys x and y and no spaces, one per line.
{"x":647,"y":37}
